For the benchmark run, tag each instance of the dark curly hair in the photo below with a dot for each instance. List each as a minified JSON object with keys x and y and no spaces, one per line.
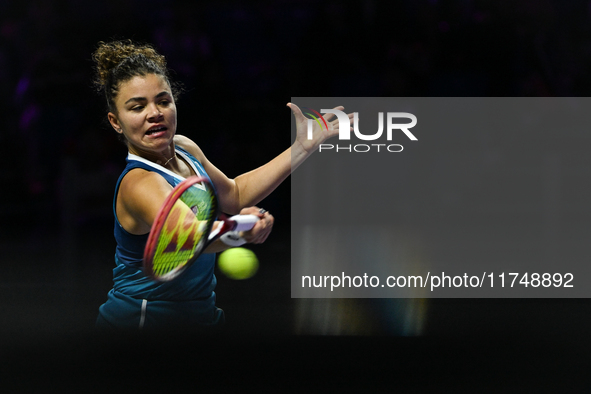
{"x":119,"y":61}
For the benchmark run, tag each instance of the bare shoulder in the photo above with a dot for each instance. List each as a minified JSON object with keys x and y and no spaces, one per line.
{"x":190,"y":146}
{"x":141,"y":194}
{"x":139,"y":184}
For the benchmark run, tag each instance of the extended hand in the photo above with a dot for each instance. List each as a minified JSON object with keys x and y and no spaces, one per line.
{"x":320,"y":132}
{"x":261,"y":229}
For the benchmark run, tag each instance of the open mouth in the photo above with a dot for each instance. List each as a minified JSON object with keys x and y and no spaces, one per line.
{"x":156,"y":129}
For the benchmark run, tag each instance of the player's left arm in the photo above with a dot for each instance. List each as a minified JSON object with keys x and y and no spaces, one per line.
{"x":228,"y":191}
{"x":245,"y":190}
{"x":252,"y":187}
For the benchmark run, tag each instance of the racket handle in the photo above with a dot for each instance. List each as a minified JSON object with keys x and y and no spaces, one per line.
{"x":244,"y":222}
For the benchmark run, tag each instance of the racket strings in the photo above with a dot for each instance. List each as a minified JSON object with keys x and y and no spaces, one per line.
{"x":184,"y":231}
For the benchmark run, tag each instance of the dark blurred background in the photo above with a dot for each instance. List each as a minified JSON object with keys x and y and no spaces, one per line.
{"x":240,"y":64}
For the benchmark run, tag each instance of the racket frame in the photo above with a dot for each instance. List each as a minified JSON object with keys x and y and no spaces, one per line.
{"x":157,"y":226}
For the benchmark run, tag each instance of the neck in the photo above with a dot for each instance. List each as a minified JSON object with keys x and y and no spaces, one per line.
{"x":162,"y":158}
{"x":167,"y":161}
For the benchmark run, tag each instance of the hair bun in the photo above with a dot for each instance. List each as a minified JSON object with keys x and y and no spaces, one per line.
{"x":120,"y":61}
{"x":109,"y":55}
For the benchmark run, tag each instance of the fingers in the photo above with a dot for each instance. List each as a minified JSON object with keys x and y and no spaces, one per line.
{"x":253,"y":211}
{"x":335,"y":124}
{"x":351,"y":120}
{"x":297,"y":112}
{"x":330,"y":116}
{"x":300,"y":116}
{"x":261,"y":230}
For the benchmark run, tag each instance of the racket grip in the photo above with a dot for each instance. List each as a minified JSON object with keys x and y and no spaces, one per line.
{"x":244,"y":222}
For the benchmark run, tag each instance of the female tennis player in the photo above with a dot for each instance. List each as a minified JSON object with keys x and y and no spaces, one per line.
{"x":141,"y":108}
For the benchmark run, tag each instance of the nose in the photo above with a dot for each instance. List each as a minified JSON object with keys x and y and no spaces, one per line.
{"x":154,"y":113}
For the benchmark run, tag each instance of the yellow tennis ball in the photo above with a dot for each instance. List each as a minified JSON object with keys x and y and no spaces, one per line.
{"x":238,"y":263}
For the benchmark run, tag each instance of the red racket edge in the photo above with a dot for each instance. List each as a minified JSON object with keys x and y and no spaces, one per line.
{"x":161,"y":216}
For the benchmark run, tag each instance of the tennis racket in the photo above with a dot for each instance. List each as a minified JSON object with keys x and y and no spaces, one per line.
{"x":183,"y":228}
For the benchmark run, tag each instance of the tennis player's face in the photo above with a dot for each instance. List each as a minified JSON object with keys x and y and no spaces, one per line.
{"x":146,"y":114}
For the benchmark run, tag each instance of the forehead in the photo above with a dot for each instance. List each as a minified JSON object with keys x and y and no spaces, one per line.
{"x":143,"y":86}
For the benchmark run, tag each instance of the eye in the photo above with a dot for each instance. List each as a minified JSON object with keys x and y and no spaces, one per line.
{"x":137,"y":108}
{"x":164,"y":103}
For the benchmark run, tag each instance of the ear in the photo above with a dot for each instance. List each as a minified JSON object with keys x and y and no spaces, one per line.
{"x":114,"y":122}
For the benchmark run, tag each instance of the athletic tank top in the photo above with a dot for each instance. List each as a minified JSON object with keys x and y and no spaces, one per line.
{"x":196,"y":283}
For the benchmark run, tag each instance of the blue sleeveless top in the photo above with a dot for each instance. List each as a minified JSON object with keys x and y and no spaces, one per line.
{"x":197,"y":283}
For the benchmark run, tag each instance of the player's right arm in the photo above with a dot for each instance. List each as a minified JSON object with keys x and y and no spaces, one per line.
{"x":140,"y":196}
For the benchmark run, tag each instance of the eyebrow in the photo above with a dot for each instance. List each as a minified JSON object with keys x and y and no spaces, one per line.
{"x":163,"y":93}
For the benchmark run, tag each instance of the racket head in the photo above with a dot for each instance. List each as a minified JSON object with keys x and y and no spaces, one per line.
{"x":180,"y":231}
